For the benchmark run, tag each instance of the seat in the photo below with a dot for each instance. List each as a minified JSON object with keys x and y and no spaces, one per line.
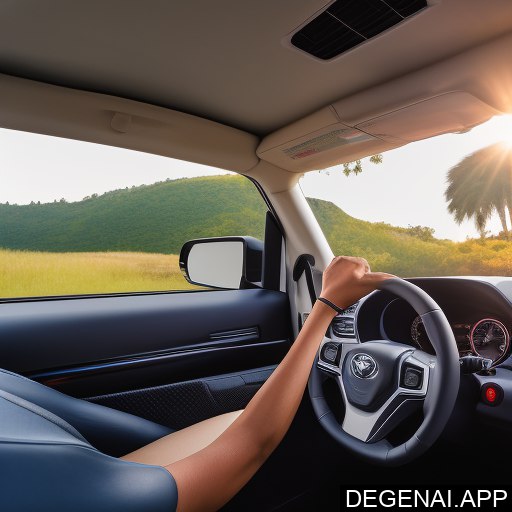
{"x":47,"y":465}
{"x":62,"y":447}
{"x":112,"y":432}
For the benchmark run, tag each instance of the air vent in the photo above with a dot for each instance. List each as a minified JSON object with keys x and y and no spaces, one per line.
{"x":348,"y":23}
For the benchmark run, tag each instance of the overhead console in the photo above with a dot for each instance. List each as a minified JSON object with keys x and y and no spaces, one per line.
{"x":318,"y":141}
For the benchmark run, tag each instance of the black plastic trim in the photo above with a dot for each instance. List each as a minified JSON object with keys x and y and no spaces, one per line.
{"x":49,"y":298}
{"x":272,"y":256}
{"x":304,"y":265}
{"x":236,"y":335}
{"x":47,"y":376}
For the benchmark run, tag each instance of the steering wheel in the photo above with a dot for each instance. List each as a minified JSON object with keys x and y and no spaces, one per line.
{"x":382,"y":382}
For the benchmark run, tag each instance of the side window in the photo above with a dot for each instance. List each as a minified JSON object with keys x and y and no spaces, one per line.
{"x":79,"y":218}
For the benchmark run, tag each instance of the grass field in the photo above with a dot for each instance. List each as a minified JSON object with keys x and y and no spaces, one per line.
{"x":30,"y":274}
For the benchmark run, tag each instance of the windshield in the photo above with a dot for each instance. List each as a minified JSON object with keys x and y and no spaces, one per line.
{"x":441,"y":206}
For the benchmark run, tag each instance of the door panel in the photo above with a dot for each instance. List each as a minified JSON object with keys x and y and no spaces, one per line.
{"x":185,"y":403}
{"x":95,"y":346}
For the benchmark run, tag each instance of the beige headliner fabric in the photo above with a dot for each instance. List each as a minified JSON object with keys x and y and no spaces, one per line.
{"x":229,"y":61}
{"x":181,"y":444}
{"x":482,"y":71}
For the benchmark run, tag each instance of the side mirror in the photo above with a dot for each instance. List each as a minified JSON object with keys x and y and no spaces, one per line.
{"x":227,"y":262}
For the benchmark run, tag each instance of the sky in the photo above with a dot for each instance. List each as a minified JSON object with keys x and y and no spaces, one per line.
{"x":406,"y":189}
{"x":37,"y":167}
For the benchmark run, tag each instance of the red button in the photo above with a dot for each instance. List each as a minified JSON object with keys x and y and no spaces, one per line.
{"x":491,"y":394}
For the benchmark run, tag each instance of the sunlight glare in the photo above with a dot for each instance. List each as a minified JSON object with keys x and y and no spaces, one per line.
{"x":502,"y":129}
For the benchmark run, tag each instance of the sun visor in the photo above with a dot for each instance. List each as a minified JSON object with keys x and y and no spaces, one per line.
{"x":324,"y":139}
{"x":37,"y":107}
{"x":446,"y":113}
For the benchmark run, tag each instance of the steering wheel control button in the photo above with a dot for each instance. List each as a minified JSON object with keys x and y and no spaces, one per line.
{"x":412,"y":377}
{"x":330,"y":353}
{"x":351,"y":310}
{"x":342,"y":326}
{"x":492,"y":394}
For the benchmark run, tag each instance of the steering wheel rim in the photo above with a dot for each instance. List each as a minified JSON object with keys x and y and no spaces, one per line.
{"x":440,"y":383}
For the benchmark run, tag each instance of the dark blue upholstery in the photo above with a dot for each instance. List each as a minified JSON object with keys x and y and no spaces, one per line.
{"x":46,"y":465}
{"x":112,"y":432}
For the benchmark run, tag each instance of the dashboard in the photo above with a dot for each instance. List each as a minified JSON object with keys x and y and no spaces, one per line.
{"x":479,"y":311}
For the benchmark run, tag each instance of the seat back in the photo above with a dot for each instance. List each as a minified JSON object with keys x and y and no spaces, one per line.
{"x":112,"y":432}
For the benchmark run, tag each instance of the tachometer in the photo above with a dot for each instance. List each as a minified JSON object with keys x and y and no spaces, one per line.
{"x":419,"y":335}
{"x":490,"y":339}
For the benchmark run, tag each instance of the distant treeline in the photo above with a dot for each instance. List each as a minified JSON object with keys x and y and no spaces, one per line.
{"x":159,"y":218}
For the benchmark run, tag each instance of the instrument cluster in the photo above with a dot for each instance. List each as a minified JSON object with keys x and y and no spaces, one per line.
{"x":487,"y":337}
{"x":476,"y":331}
{"x":478,"y":309}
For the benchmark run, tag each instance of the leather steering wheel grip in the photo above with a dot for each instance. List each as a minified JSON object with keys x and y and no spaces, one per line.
{"x":441,"y":395}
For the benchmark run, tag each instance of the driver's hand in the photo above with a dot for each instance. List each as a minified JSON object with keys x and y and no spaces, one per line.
{"x":347,"y":279}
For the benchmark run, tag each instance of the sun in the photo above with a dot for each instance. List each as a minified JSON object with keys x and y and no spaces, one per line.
{"x":502,"y":129}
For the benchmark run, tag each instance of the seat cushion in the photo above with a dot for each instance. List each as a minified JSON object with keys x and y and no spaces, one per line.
{"x":185,"y":442}
{"x":46,"y":465}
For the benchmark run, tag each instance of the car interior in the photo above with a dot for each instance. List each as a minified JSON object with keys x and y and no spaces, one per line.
{"x":269,"y":91}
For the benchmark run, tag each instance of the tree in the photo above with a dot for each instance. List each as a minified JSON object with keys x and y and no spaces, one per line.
{"x":422,"y":232}
{"x":480,"y":185}
{"x":356,"y":167}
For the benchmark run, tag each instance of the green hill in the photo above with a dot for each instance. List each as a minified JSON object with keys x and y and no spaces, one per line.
{"x":410,"y":251}
{"x":159,"y":218}
{"x":156,"y":218}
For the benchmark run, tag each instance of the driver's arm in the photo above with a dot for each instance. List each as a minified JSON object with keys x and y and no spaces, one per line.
{"x":209,"y":478}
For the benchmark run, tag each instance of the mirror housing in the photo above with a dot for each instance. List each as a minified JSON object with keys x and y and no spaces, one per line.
{"x":231,"y":262}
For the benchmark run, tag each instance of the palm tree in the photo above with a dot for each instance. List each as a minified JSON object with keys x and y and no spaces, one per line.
{"x":480,"y":184}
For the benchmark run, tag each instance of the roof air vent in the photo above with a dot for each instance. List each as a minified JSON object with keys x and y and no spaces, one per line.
{"x":348,"y":23}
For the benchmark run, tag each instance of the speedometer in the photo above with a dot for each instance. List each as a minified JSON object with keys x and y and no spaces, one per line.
{"x":420,"y":337}
{"x":490,"y":339}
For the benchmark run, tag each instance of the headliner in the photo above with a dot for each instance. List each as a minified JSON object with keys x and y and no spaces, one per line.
{"x":227,"y":60}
